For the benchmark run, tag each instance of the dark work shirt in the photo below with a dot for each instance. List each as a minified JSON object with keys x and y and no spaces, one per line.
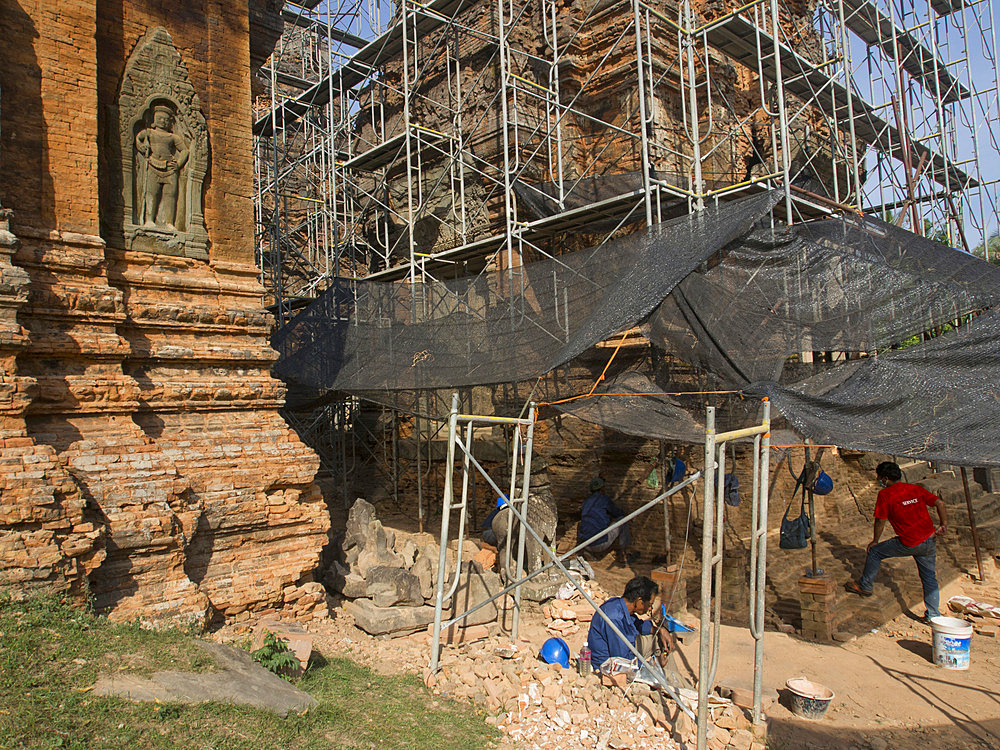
{"x":597,"y":513}
{"x":602,"y":640}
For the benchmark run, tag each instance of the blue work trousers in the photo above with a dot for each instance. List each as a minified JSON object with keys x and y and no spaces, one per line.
{"x":925,"y":555}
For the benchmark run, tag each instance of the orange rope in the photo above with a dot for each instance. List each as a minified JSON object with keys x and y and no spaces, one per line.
{"x":805,"y":445}
{"x":605,"y":372}
{"x":596,"y":382}
{"x":650,"y":393}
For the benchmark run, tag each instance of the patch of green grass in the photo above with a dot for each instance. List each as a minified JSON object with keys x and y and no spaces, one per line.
{"x":51,"y":653}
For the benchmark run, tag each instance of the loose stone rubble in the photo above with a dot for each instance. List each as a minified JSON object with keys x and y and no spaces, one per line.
{"x":388,"y":577}
{"x":535,"y":705}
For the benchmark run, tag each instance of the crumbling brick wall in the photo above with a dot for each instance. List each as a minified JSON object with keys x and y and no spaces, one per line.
{"x":150,"y":386}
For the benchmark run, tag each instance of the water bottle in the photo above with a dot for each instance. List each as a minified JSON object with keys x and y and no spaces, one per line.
{"x":583,"y":662}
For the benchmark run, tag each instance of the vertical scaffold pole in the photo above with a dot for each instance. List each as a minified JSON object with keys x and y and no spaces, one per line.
{"x":445,"y":518}
{"x":786,"y":164}
{"x":758,"y":553}
{"x":643,"y":131}
{"x":693,"y":133}
{"x":708,"y":516}
{"x":525,"y":484}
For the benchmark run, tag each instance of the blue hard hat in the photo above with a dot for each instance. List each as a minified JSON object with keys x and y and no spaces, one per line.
{"x":824,"y":484}
{"x":555,"y":651}
{"x":680,"y":469}
{"x":501,"y":501}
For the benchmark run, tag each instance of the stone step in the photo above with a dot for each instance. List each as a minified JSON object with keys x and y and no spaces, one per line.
{"x":989,"y":534}
{"x":950,"y":488}
{"x":897,"y":587}
{"x":916,"y":472}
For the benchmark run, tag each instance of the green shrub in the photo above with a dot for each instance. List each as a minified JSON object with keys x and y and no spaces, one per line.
{"x":275,"y":656}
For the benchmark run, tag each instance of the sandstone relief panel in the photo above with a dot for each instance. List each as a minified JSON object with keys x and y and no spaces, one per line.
{"x":163,"y":147}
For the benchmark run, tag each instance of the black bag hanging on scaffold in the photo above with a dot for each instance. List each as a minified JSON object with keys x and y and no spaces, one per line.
{"x":795,"y":532}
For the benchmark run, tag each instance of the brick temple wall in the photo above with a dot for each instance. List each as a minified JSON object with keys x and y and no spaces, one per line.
{"x":175,"y":490}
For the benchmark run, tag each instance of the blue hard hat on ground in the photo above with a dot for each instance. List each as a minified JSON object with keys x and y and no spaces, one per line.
{"x":824,"y":484}
{"x":555,"y":651}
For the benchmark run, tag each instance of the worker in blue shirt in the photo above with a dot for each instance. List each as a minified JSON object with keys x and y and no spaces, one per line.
{"x":625,"y":612}
{"x":596,"y":514}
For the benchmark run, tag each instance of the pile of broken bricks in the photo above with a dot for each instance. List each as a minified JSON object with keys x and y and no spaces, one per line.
{"x":386,"y":580}
{"x":564,"y":617}
{"x":546,"y":706}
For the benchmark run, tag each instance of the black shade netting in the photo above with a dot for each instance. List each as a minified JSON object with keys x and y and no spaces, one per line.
{"x":505,"y":326}
{"x":938,"y":400}
{"x":837,"y":285}
{"x":634,"y":405}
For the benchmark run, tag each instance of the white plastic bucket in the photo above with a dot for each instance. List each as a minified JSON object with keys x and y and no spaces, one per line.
{"x":951,"y":642}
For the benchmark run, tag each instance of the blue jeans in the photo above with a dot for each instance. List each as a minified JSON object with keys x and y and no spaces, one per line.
{"x":925,"y":555}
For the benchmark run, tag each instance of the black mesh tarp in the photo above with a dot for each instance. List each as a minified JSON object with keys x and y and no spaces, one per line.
{"x":719,"y":290}
{"x":634,"y":405}
{"x":841,"y":285}
{"x":500,"y":327}
{"x":937,"y":401}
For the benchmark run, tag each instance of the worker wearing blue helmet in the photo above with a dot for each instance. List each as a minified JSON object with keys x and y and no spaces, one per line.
{"x":488,"y":533}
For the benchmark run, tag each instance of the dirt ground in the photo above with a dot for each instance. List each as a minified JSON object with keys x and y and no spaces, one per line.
{"x":888,"y":692}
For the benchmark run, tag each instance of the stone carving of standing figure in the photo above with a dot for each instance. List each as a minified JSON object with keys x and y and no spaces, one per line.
{"x":164,"y":155}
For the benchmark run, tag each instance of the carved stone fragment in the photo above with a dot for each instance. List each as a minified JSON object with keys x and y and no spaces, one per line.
{"x":163,"y":151}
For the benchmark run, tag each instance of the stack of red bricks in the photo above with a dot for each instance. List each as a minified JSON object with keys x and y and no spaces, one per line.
{"x":818,"y":598}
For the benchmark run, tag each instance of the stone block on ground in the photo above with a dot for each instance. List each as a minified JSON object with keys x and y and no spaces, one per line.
{"x":474,"y":586}
{"x":367,"y":544}
{"x":423,"y":569}
{"x":542,"y":587}
{"x":377,"y":552}
{"x":359,"y":518}
{"x":239,"y":680}
{"x":387,"y":586}
{"x":376,"y":620}
{"x":344,"y":582}
{"x":455,"y":635}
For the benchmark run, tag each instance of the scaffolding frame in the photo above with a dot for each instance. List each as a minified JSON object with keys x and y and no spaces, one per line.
{"x":433,"y":139}
{"x":425,"y":140}
{"x":368,"y":144}
{"x":712,"y":539}
{"x":517,"y":506}
{"x":711,"y":554}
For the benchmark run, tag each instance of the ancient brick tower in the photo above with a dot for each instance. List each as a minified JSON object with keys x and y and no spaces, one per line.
{"x":142,"y":450}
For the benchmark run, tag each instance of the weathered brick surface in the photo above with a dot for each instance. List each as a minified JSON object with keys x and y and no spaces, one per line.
{"x":142,"y":447}
{"x":45,"y":541}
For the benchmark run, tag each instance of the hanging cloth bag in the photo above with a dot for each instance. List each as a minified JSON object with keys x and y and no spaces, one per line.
{"x":731,"y":489}
{"x":795,"y":532}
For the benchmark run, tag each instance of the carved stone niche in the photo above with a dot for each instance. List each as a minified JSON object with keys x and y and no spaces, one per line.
{"x":163,"y":142}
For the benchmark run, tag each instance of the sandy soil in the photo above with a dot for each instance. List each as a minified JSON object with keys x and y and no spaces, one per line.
{"x":888,"y":691}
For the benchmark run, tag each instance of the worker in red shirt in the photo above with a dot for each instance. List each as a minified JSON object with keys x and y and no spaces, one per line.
{"x":905,"y":507}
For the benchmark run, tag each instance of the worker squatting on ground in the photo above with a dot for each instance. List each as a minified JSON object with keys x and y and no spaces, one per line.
{"x":596,"y":514}
{"x":487,"y":532}
{"x":625,"y":612}
{"x":904,"y":506}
